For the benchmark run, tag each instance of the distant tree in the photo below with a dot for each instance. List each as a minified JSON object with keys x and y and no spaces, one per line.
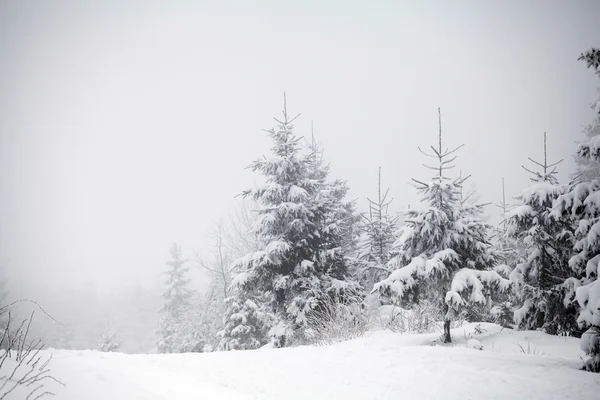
{"x":346,"y":217}
{"x":176,"y":330}
{"x":443,"y":255}
{"x":375,"y":244}
{"x":510,"y":252}
{"x":108,"y":340}
{"x":509,"y":249}
{"x":239,"y":237}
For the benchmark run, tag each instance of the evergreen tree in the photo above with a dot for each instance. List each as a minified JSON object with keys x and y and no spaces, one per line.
{"x":509,"y":249}
{"x":588,"y":167}
{"x":175,"y":329}
{"x":108,"y":341}
{"x":510,"y":252}
{"x":344,"y":216}
{"x":246,"y":325}
{"x":548,"y":240}
{"x":442,"y":255}
{"x":299,"y":220}
{"x":375,"y":244}
{"x":583,"y":203}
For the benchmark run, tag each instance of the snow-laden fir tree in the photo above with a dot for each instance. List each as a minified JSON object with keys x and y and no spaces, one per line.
{"x":228,"y":320}
{"x":588,"y":168}
{"x":176,"y":330}
{"x":345,"y":214}
{"x":301,"y":264}
{"x":510,"y":251}
{"x":583,"y":203}
{"x":443,"y":255}
{"x":548,"y":240}
{"x":246,"y":325}
{"x":375,"y":243}
{"x":108,"y":340}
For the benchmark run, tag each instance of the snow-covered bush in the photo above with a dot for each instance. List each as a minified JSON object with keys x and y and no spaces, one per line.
{"x":421,"y":318}
{"x":24,"y":369}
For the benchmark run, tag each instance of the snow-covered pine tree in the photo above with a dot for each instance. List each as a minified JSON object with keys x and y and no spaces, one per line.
{"x":175,"y":330}
{"x":548,"y":240}
{"x":443,"y":253}
{"x":246,"y":325}
{"x":108,"y":340}
{"x":377,"y":237}
{"x":302,"y":263}
{"x":583,"y":203}
{"x":588,"y":168}
{"x":510,"y":251}
{"x":345,"y":216}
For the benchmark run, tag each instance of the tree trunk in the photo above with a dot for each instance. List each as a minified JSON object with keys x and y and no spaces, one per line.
{"x":447,"y":338}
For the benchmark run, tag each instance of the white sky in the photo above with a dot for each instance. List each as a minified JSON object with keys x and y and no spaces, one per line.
{"x":124,"y":126}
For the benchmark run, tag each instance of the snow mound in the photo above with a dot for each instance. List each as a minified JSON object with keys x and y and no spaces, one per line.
{"x":474,"y":344}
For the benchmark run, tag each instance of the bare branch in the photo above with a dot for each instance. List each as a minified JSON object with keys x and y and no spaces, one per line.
{"x":426,"y":154}
{"x":3,"y":309}
{"x":447,"y":153}
{"x":535,"y":162}
{"x":556,"y":163}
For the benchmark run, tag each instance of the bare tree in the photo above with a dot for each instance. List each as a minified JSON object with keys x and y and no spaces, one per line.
{"x":220,"y":264}
{"x":230,"y":240}
{"x":238,"y":235}
{"x":23,"y":367}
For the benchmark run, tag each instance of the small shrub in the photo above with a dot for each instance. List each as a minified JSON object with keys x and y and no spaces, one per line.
{"x":23,"y":369}
{"x":530,"y":349}
{"x":336,"y":322}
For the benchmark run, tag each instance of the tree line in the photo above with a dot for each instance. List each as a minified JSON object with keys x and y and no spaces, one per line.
{"x":298,"y":249}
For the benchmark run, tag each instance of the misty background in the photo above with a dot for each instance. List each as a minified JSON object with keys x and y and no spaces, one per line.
{"x":126,"y":126}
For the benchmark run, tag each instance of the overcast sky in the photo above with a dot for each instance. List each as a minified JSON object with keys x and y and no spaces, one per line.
{"x":124,"y":127}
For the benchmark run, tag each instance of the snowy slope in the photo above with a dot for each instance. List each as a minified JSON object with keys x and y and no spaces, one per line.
{"x":383,"y":365}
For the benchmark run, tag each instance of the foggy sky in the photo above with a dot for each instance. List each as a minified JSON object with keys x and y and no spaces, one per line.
{"x":124,"y":127}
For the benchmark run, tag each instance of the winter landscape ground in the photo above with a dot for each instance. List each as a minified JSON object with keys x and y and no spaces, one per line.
{"x":382,"y":365}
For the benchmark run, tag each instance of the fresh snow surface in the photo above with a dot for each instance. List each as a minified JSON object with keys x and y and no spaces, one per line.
{"x":383,"y":365}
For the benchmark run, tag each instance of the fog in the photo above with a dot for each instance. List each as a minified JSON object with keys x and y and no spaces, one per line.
{"x":125,"y":127}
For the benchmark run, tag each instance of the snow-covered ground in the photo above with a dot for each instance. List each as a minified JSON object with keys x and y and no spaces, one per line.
{"x":384,"y":365}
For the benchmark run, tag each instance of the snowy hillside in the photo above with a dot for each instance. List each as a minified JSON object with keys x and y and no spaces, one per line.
{"x":383,"y":365}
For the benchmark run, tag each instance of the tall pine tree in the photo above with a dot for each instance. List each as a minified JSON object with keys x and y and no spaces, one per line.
{"x":548,"y":240}
{"x":442,"y":255}
{"x":301,"y":216}
{"x":583,"y":203}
